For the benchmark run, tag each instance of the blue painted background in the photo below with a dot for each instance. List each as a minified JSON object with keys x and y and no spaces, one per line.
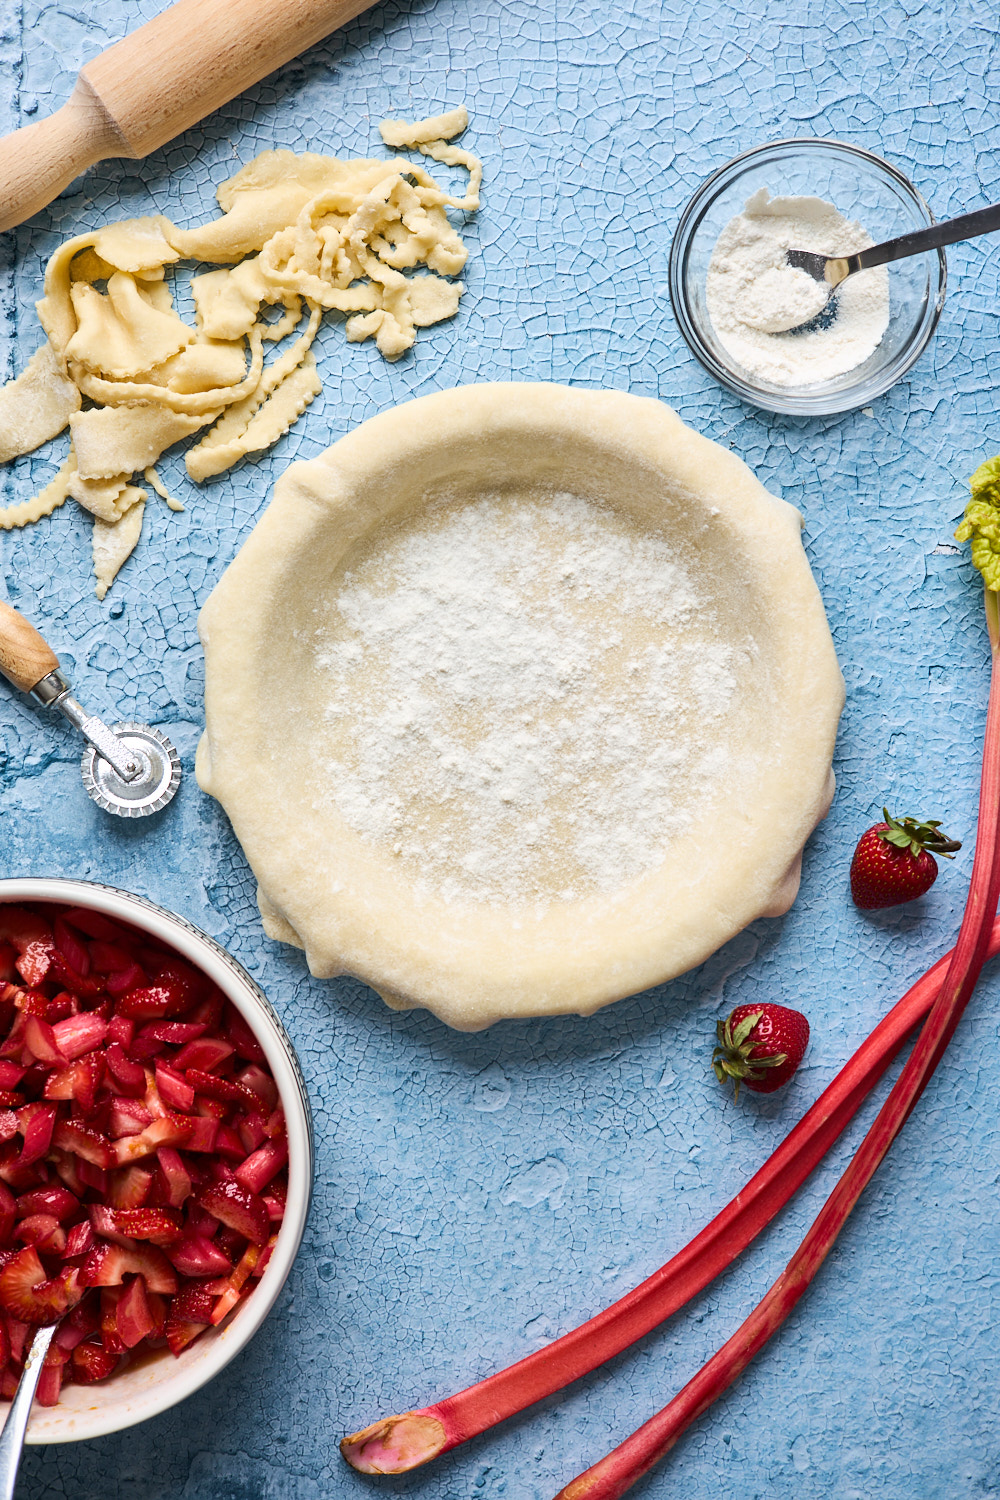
{"x":477,"y":1196}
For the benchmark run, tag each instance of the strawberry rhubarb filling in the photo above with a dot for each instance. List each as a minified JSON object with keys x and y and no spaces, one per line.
{"x":142,"y":1147}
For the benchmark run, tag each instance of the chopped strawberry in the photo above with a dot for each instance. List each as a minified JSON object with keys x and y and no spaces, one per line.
{"x":176,"y":1033}
{"x":250,"y":1129}
{"x":40,"y":1042}
{"x":79,"y":1081}
{"x":48,"y":1200}
{"x":170,"y":1131}
{"x":85,"y":1143}
{"x":203,"y":1133}
{"x":228,"y":1144}
{"x":35,"y":960}
{"x":129,"y":1187}
{"x":225,"y":1089}
{"x":8,"y":967}
{"x":109,"y":958}
{"x":93,"y":1177}
{"x":108,"y":1264}
{"x":94,"y":924}
{"x":238,"y":1208}
{"x":126,"y":981}
{"x":260,"y":1083}
{"x":160,"y":1225}
{"x":121,"y":1030}
{"x":193,"y":1255}
{"x":10,"y":1074}
{"x":17,"y":1333}
{"x":29,"y":1296}
{"x":128,"y":1117}
{"x":44,"y":1232}
{"x":154,"y":1002}
{"x":92,"y":1362}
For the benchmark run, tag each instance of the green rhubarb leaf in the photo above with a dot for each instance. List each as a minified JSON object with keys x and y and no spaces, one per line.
{"x":981,"y":526}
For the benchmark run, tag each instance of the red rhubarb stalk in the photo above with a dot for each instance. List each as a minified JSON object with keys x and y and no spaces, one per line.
{"x":399,"y":1443}
{"x":615,"y":1474}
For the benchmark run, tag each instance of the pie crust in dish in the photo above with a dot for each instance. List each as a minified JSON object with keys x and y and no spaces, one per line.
{"x":520,"y":699}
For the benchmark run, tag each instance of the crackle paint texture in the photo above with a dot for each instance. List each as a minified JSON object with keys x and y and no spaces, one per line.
{"x":478,"y":1195}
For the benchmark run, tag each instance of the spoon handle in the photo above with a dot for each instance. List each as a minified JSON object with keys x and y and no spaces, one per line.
{"x":12,"y":1436}
{"x":966,"y":227}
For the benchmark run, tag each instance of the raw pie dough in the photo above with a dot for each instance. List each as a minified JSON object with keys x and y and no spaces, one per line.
{"x":521,"y":699}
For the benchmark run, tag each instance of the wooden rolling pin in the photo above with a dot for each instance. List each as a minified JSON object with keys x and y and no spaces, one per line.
{"x":156,"y":83}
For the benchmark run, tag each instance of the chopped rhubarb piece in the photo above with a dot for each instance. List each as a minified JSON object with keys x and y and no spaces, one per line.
{"x":40,"y":1041}
{"x":17,"y":1333}
{"x":94,"y":924}
{"x":107,"y":1264}
{"x":44,"y":1232}
{"x":14,"y":1045}
{"x":274,"y":1126}
{"x":95,"y":1178}
{"x":129,"y":1187}
{"x":205,"y":1053}
{"x":129,"y":1075}
{"x":134,"y":1318}
{"x":48,"y":1200}
{"x":72,"y":947}
{"x":8,"y":968}
{"x":193,"y":1255}
{"x":8,"y":1214}
{"x":229,"y":1145}
{"x":79,"y":1034}
{"x":10,"y":1074}
{"x":80,"y":1240}
{"x":67,"y":1170}
{"x":194,"y":1304}
{"x":29,"y":1296}
{"x":265,"y":1256}
{"x":242,"y":1037}
{"x":125,"y":981}
{"x":260,"y":1083}
{"x":145,"y":1047}
{"x":176,"y":1033}
{"x":49,"y":1383}
{"x":176,"y":1175}
{"x":83,"y":1142}
{"x":274,"y":1200}
{"x":176,"y":1091}
{"x":204,"y":1130}
{"x":92,"y":1362}
{"x":258,"y":1170}
{"x":230,"y":1294}
{"x":36,"y":1122}
{"x":162,"y":1226}
{"x":250,"y":1129}
{"x":109,"y":958}
{"x":238,"y":1208}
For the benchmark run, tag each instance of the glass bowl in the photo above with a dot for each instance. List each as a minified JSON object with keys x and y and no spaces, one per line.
{"x":153,"y":1385}
{"x":862,"y":187}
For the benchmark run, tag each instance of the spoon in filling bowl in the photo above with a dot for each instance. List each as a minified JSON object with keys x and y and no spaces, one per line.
{"x":800,"y":303}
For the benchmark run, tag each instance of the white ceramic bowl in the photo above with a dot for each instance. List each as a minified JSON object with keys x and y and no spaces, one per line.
{"x":90,"y":1411}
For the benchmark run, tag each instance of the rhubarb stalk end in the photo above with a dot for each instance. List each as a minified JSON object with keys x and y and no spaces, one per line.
{"x":395,"y":1445}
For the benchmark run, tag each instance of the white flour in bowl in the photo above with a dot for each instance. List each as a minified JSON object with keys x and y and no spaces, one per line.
{"x":750,"y":291}
{"x":526,"y":696}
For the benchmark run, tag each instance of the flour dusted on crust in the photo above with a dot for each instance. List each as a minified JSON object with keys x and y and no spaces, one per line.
{"x":300,"y":235}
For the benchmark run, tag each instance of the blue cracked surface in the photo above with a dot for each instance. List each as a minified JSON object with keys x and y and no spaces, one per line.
{"x":477,"y":1196}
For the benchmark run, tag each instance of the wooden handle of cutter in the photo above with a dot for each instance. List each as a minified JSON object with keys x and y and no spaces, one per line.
{"x":24,"y":657}
{"x":156,"y":83}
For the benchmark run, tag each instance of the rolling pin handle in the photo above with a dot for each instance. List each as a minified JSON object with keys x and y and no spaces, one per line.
{"x":39,"y":160}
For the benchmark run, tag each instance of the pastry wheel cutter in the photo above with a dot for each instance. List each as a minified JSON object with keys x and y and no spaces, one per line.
{"x":130,"y":770}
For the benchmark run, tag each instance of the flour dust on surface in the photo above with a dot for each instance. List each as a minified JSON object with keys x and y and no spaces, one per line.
{"x":525,"y":697}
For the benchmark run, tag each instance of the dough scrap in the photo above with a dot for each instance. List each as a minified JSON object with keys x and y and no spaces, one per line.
{"x":114,"y":542}
{"x":55,"y":493}
{"x":296,"y":232}
{"x":37,"y":405}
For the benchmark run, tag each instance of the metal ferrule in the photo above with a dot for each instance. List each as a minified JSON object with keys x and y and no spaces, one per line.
{"x":50,"y":689}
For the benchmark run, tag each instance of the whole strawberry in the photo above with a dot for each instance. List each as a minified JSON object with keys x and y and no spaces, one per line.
{"x":894,"y":861}
{"x":760,"y":1046}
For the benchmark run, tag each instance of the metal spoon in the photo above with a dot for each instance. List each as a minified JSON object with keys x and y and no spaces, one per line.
{"x":129,"y":769}
{"x":12,"y":1436}
{"x":836,"y":268}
